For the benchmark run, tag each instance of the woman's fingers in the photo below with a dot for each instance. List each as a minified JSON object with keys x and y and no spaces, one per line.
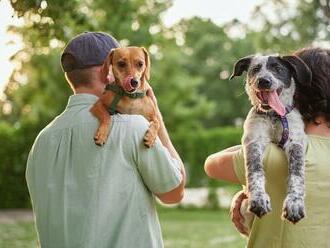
{"x":236,"y":216}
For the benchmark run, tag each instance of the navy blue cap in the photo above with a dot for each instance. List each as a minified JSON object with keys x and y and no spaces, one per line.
{"x":86,"y":50}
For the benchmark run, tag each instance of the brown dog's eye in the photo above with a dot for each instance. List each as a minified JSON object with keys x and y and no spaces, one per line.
{"x":121,"y":64}
{"x":140,"y":64}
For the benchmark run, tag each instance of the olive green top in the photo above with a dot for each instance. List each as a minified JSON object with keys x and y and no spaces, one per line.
{"x":86,"y":196}
{"x":313,"y":231}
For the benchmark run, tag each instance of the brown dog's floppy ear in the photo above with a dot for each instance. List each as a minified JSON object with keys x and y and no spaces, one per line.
{"x":108,"y":61}
{"x":146,"y":73}
{"x":301,"y":72}
{"x":241,"y":65}
{"x":110,"y":56}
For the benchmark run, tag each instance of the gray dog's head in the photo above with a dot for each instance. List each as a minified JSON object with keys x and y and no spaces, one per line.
{"x":271,"y":80}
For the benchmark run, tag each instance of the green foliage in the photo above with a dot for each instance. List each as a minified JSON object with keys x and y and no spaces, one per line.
{"x":210,"y":56}
{"x":15,"y":144}
{"x":195,"y":145}
{"x":298,"y":24}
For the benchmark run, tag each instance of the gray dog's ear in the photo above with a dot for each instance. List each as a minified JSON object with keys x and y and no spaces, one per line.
{"x":301,"y":72}
{"x":241,"y":65}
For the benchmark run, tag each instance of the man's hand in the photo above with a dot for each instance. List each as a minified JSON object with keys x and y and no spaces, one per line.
{"x":242,"y":223}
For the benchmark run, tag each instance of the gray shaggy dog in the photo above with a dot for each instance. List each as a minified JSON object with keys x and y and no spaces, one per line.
{"x":270,"y":84}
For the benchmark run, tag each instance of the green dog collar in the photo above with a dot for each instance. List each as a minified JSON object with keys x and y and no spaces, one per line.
{"x":119,"y":93}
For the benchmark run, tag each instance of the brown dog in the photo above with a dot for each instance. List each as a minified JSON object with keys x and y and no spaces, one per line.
{"x":131,"y":69}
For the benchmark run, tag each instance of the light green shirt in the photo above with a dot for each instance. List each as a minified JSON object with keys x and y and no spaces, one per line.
{"x":313,"y":231}
{"x":86,"y":196}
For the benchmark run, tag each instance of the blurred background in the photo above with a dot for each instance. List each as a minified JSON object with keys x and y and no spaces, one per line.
{"x":193,"y":46}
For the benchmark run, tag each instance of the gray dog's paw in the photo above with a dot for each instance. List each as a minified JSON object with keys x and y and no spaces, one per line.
{"x":259,"y":204}
{"x":293,"y":209}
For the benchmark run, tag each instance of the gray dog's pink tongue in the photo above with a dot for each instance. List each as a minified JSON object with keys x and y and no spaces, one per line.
{"x":275,"y":103}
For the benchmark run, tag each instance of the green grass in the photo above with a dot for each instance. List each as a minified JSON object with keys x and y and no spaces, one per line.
{"x":198,"y":229}
{"x":181,"y":229}
{"x":18,"y":235}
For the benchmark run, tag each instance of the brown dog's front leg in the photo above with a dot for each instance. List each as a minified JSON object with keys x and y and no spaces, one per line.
{"x":151,"y":134}
{"x":101,"y":113}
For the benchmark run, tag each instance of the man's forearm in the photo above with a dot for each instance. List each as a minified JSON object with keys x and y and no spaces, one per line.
{"x":166,"y":141}
{"x":165,"y":138}
{"x":163,"y":134}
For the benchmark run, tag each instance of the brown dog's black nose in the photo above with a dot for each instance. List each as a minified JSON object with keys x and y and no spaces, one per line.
{"x":264,"y":84}
{"x":134,"y":82}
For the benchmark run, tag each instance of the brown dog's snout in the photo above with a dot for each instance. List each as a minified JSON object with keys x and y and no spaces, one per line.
{"x":134,"y":82}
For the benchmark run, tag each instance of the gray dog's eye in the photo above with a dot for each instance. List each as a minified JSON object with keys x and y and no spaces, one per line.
{"x":255,"y":69}
{"x":278,"y":68}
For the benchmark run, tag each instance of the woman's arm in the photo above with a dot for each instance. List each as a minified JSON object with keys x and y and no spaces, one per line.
{"x":220,"y":165}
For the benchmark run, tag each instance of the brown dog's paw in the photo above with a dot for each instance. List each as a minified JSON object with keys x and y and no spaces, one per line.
{"x":149,"y":139}
{"x":151,"y":135}
{"x":101,"y":136}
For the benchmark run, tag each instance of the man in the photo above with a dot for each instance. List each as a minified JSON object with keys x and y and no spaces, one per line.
{"x":89,"y":196}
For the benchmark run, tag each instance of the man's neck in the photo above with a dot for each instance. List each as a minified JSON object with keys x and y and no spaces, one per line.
{"x":94,"y":89}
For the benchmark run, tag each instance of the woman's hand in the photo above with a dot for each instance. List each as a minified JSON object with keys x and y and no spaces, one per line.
{"x":235,"y":212}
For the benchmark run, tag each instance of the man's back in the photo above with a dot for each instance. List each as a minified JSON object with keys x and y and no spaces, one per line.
{"x":89,"y":196}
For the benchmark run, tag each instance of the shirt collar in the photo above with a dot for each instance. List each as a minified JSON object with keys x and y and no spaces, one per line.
{"x":81,"y":99}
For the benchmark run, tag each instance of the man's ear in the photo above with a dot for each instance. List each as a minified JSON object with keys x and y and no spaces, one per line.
{"x":146,"y":73}
{"x":301,"y":72}
{"x":68,"y":62}
{"x":241,"y":65}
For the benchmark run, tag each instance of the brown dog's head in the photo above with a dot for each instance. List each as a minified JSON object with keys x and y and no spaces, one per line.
{"x":130,"y":67}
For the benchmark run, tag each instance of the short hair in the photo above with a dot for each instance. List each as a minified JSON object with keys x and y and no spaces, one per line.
{"x":79,"y":77}
{"x":314,"y":100}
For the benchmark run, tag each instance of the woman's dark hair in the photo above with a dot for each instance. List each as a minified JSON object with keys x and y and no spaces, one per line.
{"x":314,"y":100}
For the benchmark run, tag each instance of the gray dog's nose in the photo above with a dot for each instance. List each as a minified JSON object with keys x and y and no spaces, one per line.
{"x":134,"y":82}
{"x":264,"y":84}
